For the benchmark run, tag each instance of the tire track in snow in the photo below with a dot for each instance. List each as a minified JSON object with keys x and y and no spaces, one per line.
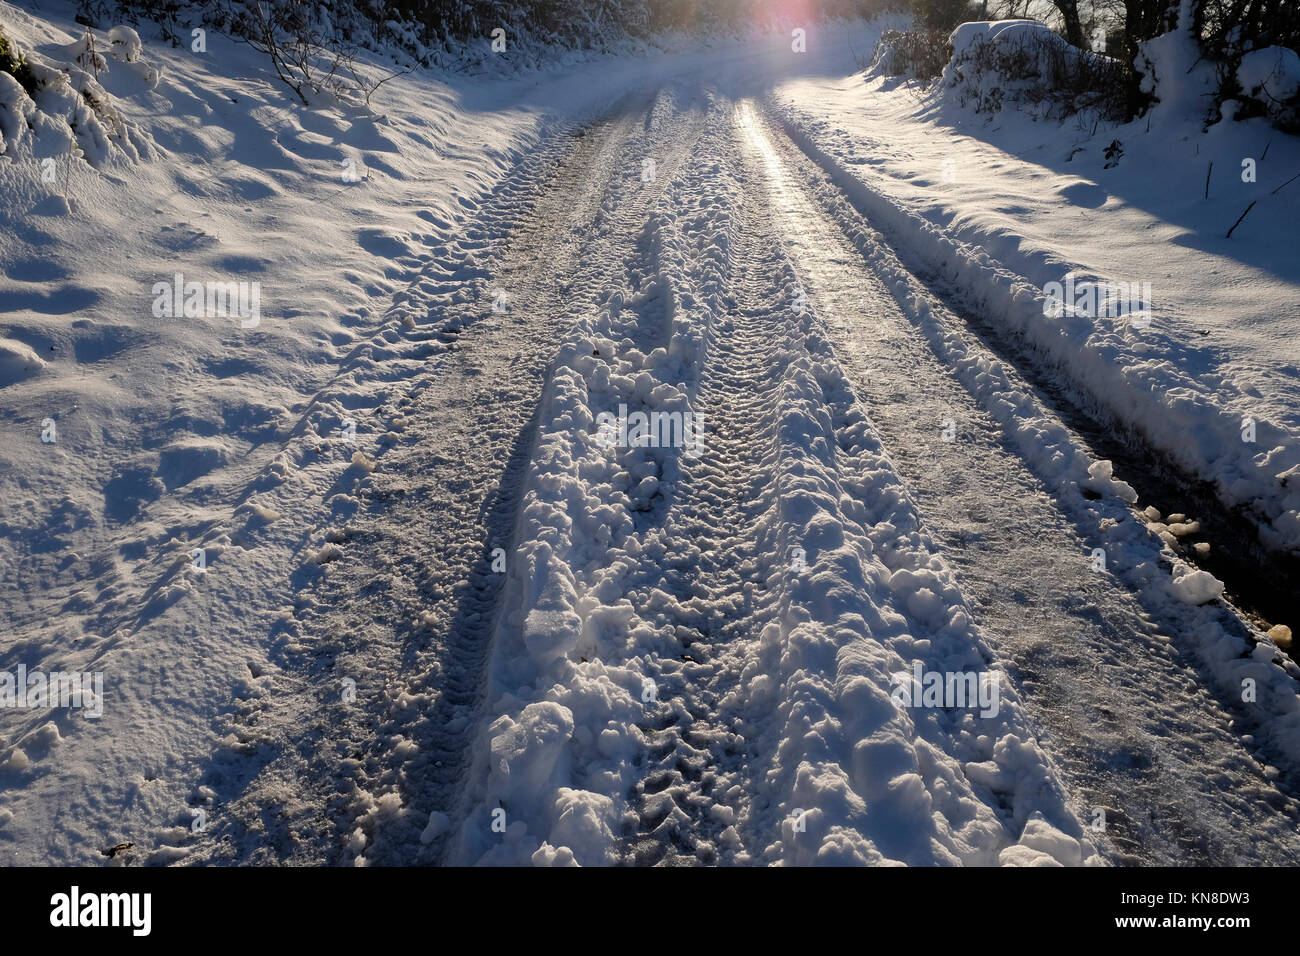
{"x":622,"y":212}
{"x":709,"y":541}
{"x":775,"y":680}
{"x":1125,"y":709}
{"x":639,"y":326}
{"x":408,"y":611}
{"x":876,"y":583}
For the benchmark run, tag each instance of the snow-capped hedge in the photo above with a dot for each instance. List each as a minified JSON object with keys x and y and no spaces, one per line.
{"x":919,"y":54}
{"x":998,"y":63}
{"x":1183,"y":75}
{"x":1271,"y":79}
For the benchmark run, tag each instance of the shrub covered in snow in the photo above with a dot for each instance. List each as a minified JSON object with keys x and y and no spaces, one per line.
{"x":1254,"y":48}
{"x":432,"y":31}
{"x":57,"y":107}
{"x":1220,"y":60}
{"x":125,"y":44}
{"x":999,"y":63}
{"x":919,"y":54}
{"x":13,"y":63}
{"x":1174,"y":77}
{"x":1270,"y":80}
{"x":941,"y":15}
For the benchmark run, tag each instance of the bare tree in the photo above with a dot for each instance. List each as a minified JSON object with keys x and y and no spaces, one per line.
{"x":1069,"y":11}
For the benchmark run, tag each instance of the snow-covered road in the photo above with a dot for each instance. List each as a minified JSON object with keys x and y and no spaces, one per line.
{"x":634,"y":468}
{"x":689,"y":653}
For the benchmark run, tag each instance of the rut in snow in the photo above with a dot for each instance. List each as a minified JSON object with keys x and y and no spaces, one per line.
{"x":691,"y":792}
{"x":769,"y":735}
{"x":407,"y":614}
{"x":1124,"y":708}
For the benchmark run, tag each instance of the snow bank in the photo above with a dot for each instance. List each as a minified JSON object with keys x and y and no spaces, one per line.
{"x":1133,"y":371}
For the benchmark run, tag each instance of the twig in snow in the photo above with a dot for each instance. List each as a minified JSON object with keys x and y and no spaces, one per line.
{"x":1285,"y":184}
{"x":1207,"y":179}
{"x":1241,"y":217}
{"x":364,"y":86}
